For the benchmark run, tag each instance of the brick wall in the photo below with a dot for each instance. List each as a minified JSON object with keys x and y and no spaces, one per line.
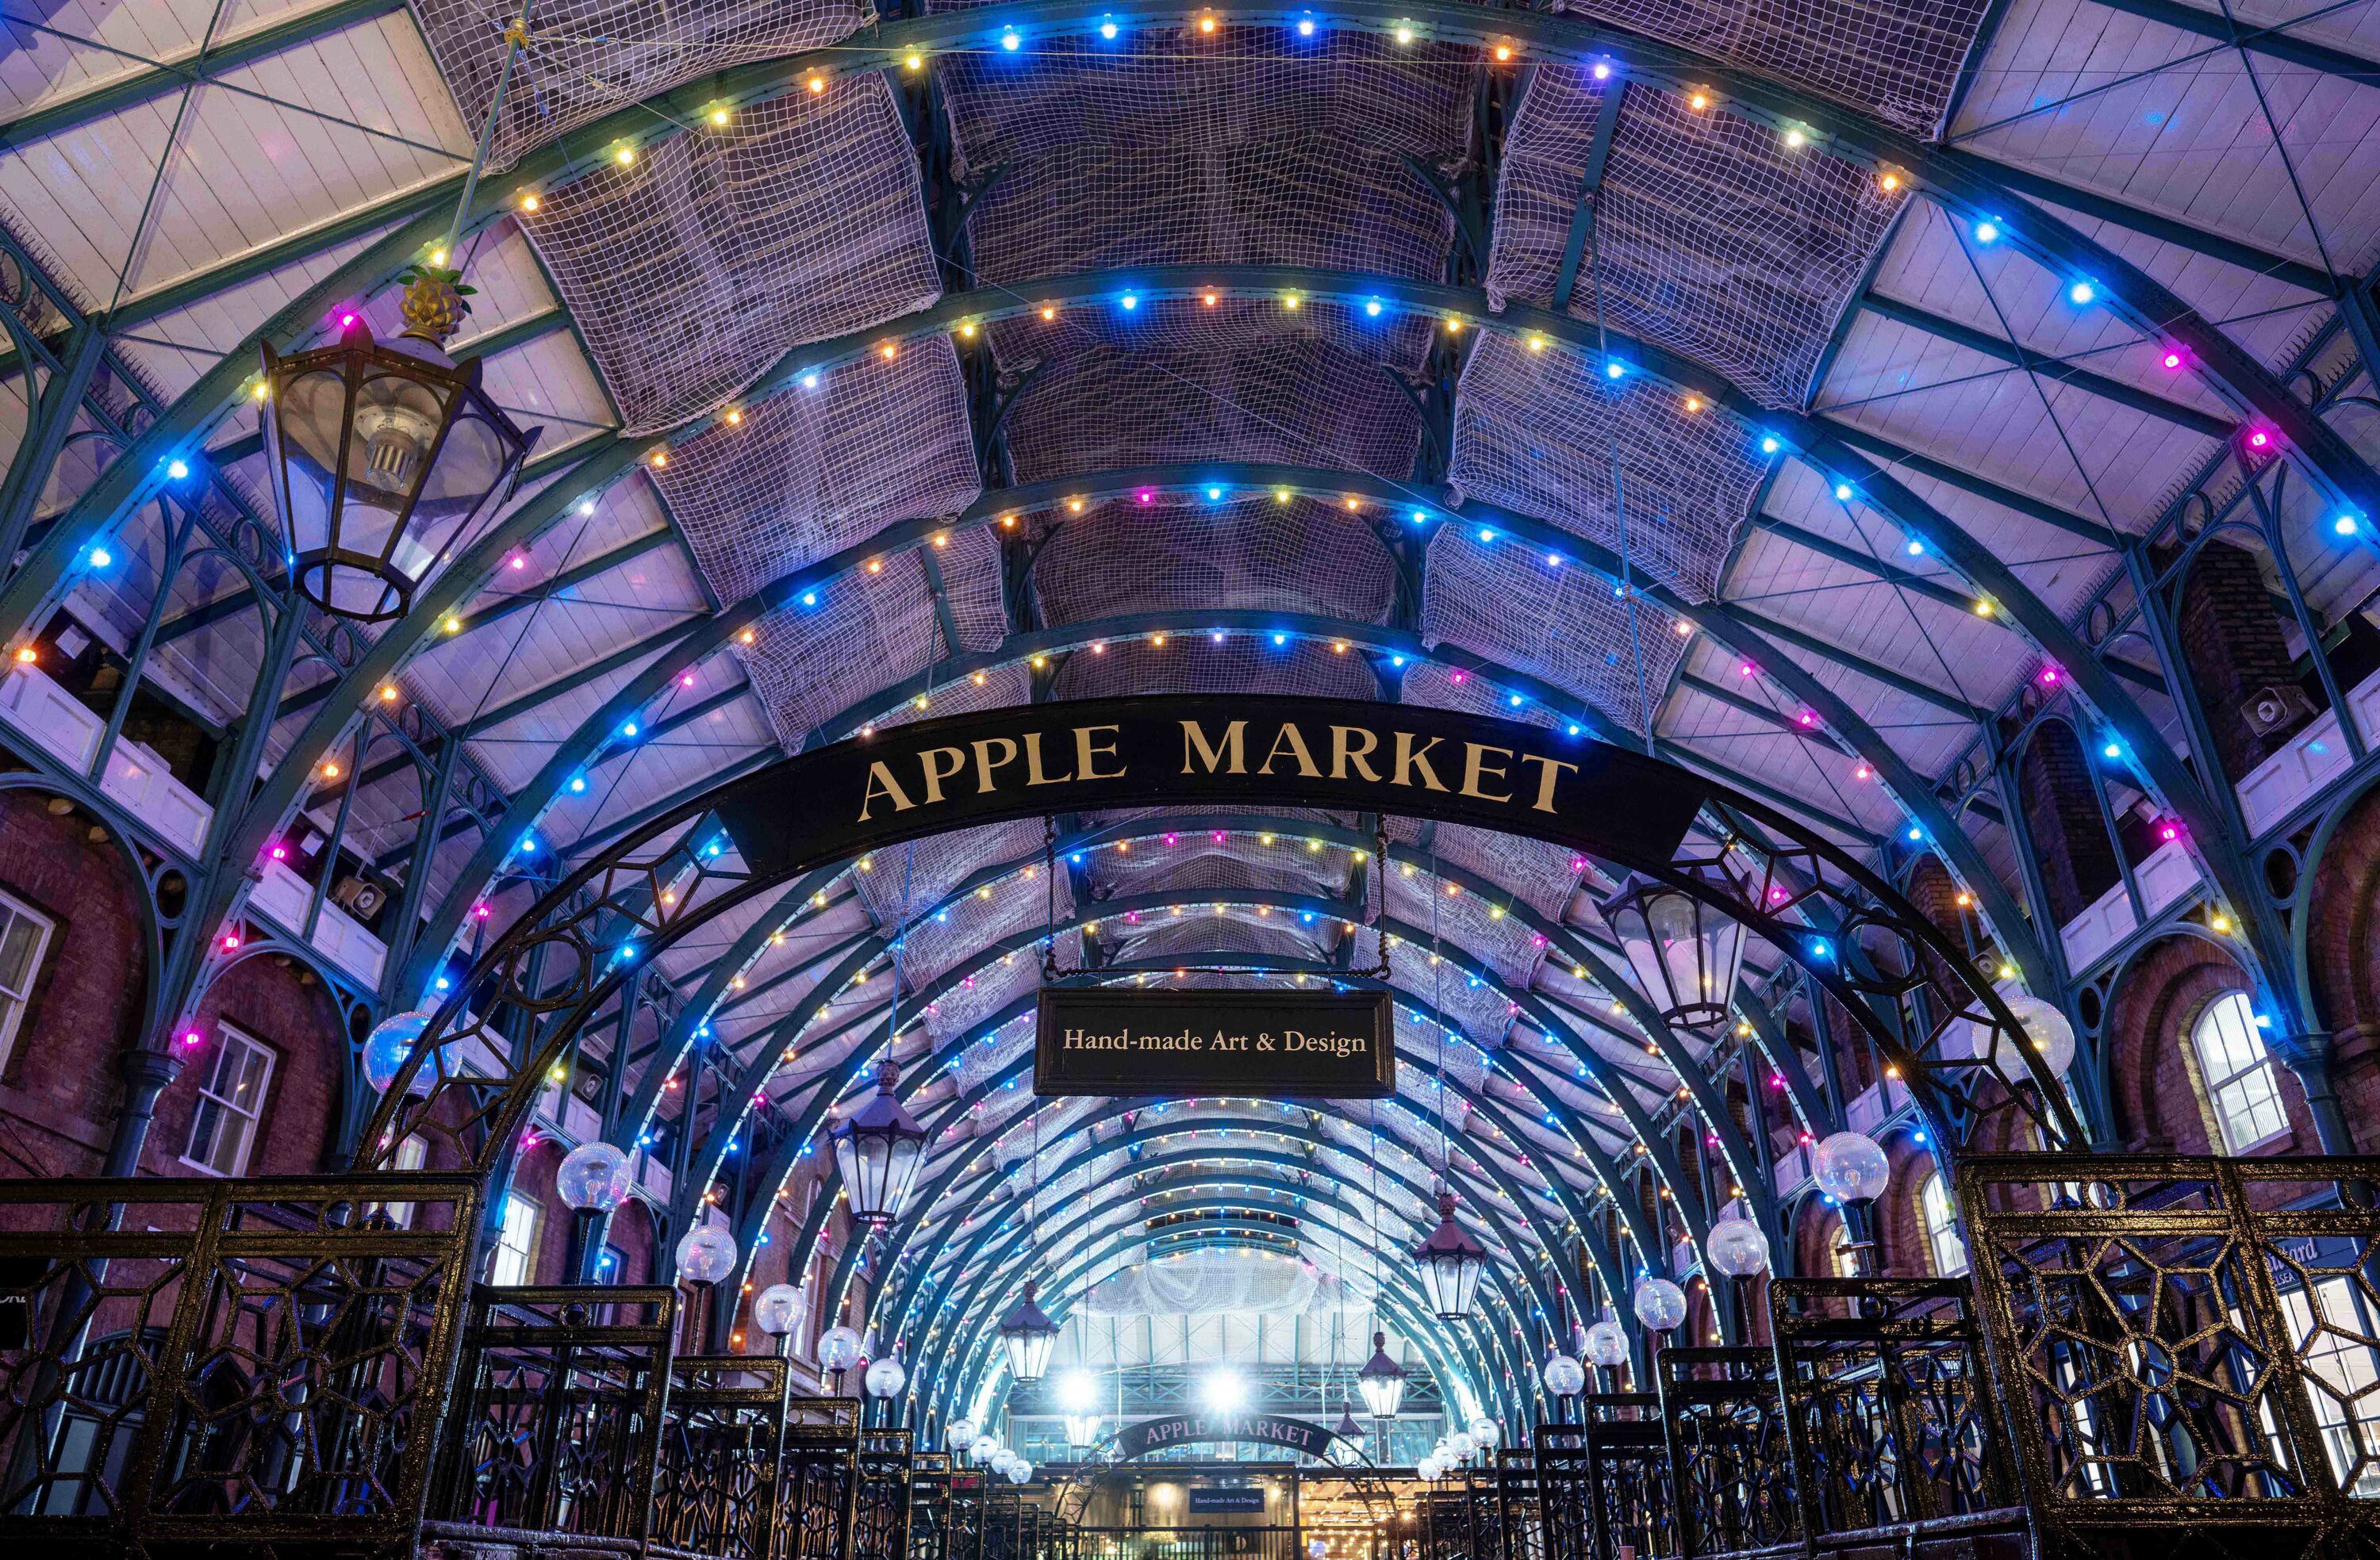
{"x":2232,"y":643}
{"x":2070,"y":841}
{"x":275,"y":999}
{"x":2344,"y":918}
{"x":2153,"y":1082}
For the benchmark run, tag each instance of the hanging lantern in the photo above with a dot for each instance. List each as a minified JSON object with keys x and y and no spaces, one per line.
{"x":1684,"y":953}
{"x":1029,"y":1336}
{"x":1451,"y":1265}
{"x":1381,"y":1380}
{"x":1082,"y":1431}
{"x":878,"y":1150}
{"x":1347,"y":1440}
{"x":384,"y":456}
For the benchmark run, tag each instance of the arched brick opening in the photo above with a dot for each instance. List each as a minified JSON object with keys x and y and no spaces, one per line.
{"x":2343,"y":917}
{"x":2160,"y":1105}
{"x":2070,"y":844}
{"x":275,"y":1001}
{"x":2239,"y":659}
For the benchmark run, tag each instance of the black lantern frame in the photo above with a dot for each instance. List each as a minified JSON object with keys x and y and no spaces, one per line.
{"x":1381,"y":1380}
{"x":1451,"y":1262}
{"x":1685,"y":952}
{"x":878,"y":1150}
{"x":1029,"y":1336}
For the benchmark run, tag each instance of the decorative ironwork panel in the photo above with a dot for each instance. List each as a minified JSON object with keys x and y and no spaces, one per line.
{"x":929,"y":1505}
{"x":255,"y":1363}
{"x":716,"y":1485}
{"x":818,"y":1482}
{"x":557,"y":1413}
{"x":881,"y":1521}
{"x":1518,"y":1524}
{"x":1888,"y":1408}
{"x":2190,"y":1341}
{"x":1604,"y":1483}
{"x":1731,"y":1471}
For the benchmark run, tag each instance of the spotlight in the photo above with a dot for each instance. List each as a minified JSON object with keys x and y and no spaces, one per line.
{"x":1223,"y":1392}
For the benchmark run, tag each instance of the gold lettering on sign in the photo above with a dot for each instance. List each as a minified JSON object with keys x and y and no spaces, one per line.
{"x":985,"y":763}
{"x":1547,"y":768}
{"x":1345,"y":755}
{"x":1476,"y":768}
{"x":881,"y":783}
{"x":1195,"y":748}
{"x":1290,"y":740}
{"x":1087,"y":757}
{"x":936,"y":773}
{"x":1412,"y":760}
{"x":1033,"y":775}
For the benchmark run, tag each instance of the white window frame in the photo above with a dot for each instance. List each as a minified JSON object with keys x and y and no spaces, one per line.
{"x":518,"y":1257}
{"x":227,"y":1038}
{"x":43,"y":926}
{"x":1944,"y":1244}
{"x":1840,"y":1257}
{"x":411,"y":1156}
{"x":2239,"y":1096}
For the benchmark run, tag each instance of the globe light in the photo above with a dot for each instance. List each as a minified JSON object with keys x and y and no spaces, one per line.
{"x":877,"y":1151}
{"x":1483,"y":1433}
{"x":2046,"y":1030}
{"x":1607,"y":1342}
{"x":594,"y":1177}
{"x":1317,"y":1549}
{"x":838,"y":1348}
{"x":383,"y":456}
{"x":773,"y":1308}
{"x":1659,"y":1304}
{"x":960,"y":1435}
{"x":1736,"y":1248}
{"x":385,"y":1050}
{"x":1684,"y":953}
{"x":1020,"y":1471}
{"x":705,"y":1254}
{"x":885,"y":1378}
{"x":1429,"y":1471}
{"x":1451,"y":1265}
{"x":1564,"y":1376}
{"x":1381,"y":1380}
{"x":1028,"y":1334}
{"x":1851,"y":1167}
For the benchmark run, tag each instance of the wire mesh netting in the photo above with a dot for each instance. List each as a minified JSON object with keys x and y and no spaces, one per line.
{"x":1558,"y":622}
{"x":1013,"y":907}
{"x":1192,"y":862}
{"x":693,"y":269}
{"x":1169,"y":145}
{"x":901,"y":881}
{"x":809,"y":472}
{"x":1245,"y":379}
{"x":1171,"y":553}
{"x":585,"y":58}
{"x":1900,"y":61}
{"x":1540,"y":433}
{"x":1200,"y":935}
{"x":1542,"y":875}
{"x":1194,"y":663}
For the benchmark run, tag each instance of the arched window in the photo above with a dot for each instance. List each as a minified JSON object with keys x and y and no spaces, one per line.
{"x":2238,"y":1070}
{"x":1845,"y":1260}
{"x":1943,"y":1241}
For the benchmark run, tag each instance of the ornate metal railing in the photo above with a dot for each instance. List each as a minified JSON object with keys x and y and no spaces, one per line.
{"x":717,"y":1480}
{"x":1887,"y":1410}
{"x":1520,"y":1523}
{"x":881,"y":1510}
{"x":2184,"y":1342}
{"x":557,"y":1421}
{"x":1731,"y":1472}
{"x":1603,"y":1483}
{"x":248,"y":1363}
{"x":929,"y":1497}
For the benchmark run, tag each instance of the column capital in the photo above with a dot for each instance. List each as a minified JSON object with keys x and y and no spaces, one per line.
{"x":147,"y":1070}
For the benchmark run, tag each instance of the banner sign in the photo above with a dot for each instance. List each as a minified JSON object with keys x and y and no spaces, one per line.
{"x":1269,"y":1044}
{"x":1235,"y":1502}
{"x":1154,"y":1435}
{"x":1208,"y":751}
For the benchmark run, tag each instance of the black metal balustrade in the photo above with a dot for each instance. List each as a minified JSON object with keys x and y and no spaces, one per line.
{"x":718,"y":1484}
{"x":1731,"y":1469}
{"x":1603,"y":1483}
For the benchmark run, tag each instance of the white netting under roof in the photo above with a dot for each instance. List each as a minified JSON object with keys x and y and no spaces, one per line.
{"x":1209,"y":1283}
{"x":1898,"y":60}
{"x":1244,"y":380}
{"x":587,"y":59}
{"x":810,"y":472}
{"x":1564,"y":625}
{"x":1463,"y":927}
{"x":989,"y":1057}
{"x":691,"y":270}
{"x":1200,"y":935}
{"x":1192,"y":663}
{"x":1169,"y":145}
{"x":1198,"y":864}
{"x":1000,"y":984}
{"x":925,"y":871}
{"x":956,"y":933}
{"x":1467,"y":920}
{"x":1715,"y":239}
{"x":1537,"y":432}
{"x":1423,"y":1051}
{"x":1543,"y":876}
{"x":810,"y":665}
{"x":1175,"y":553}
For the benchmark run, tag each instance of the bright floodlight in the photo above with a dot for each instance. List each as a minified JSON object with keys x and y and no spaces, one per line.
{"x":1079,"y":1392}
{"x":1224,"y":1392}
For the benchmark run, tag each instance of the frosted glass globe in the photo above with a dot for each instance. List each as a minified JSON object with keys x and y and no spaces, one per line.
{"x":1564,"y":1376}
{"x":1607,"y":1343}
{"x":1660,"y":1304}
{"x":1457,"y":1446}
{"x":1851,"y":1167}
{"x":593,"y":1179}
{"x":385,"y":1048}
{"x":1317,"y":1549}
{"x":1737,"y":1249}
{"x":706,"y":1256}
{"x":961,"y":1434}
{"x":773,"y":1309}
{"x":2049,"y":1030}
{"x":1020,"y":1471}
{"x":838,"y":1348}
{"x":886,"y":1377}
{"x":1428,"y":1469}
{"x":1483,"y":1433}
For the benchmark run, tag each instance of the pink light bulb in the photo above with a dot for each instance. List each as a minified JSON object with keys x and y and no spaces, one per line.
{"x":2173,"y":359}
{"x":2049,"y":675}
{"x":481,"y":912}
{"x":280,"y":852}
{"x":2259,"y":439}
{"x":1745,"y":668}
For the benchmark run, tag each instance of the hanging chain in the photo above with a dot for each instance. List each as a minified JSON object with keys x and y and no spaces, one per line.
{"x":1050,"y":971}
{"x":1379,"y":971}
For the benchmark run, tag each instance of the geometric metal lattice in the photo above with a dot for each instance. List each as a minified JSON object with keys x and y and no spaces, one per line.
{"x":1729,"y":1467}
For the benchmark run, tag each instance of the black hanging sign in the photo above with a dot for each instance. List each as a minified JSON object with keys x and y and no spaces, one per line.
{"x":1218,"y":750}
{"x":1237,"y":1500}
{"x":1273,"y":1045}
{"x":1275,"y":1430}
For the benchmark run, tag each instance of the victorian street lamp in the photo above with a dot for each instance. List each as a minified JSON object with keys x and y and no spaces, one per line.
{"x":1381,"y":1380}
{"x":1030,"y":1336}
{"x":383,"y":457}
{"x":1684,"y":953}
{"x":877,"y":1150}
{"x":1451,"y":1265}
